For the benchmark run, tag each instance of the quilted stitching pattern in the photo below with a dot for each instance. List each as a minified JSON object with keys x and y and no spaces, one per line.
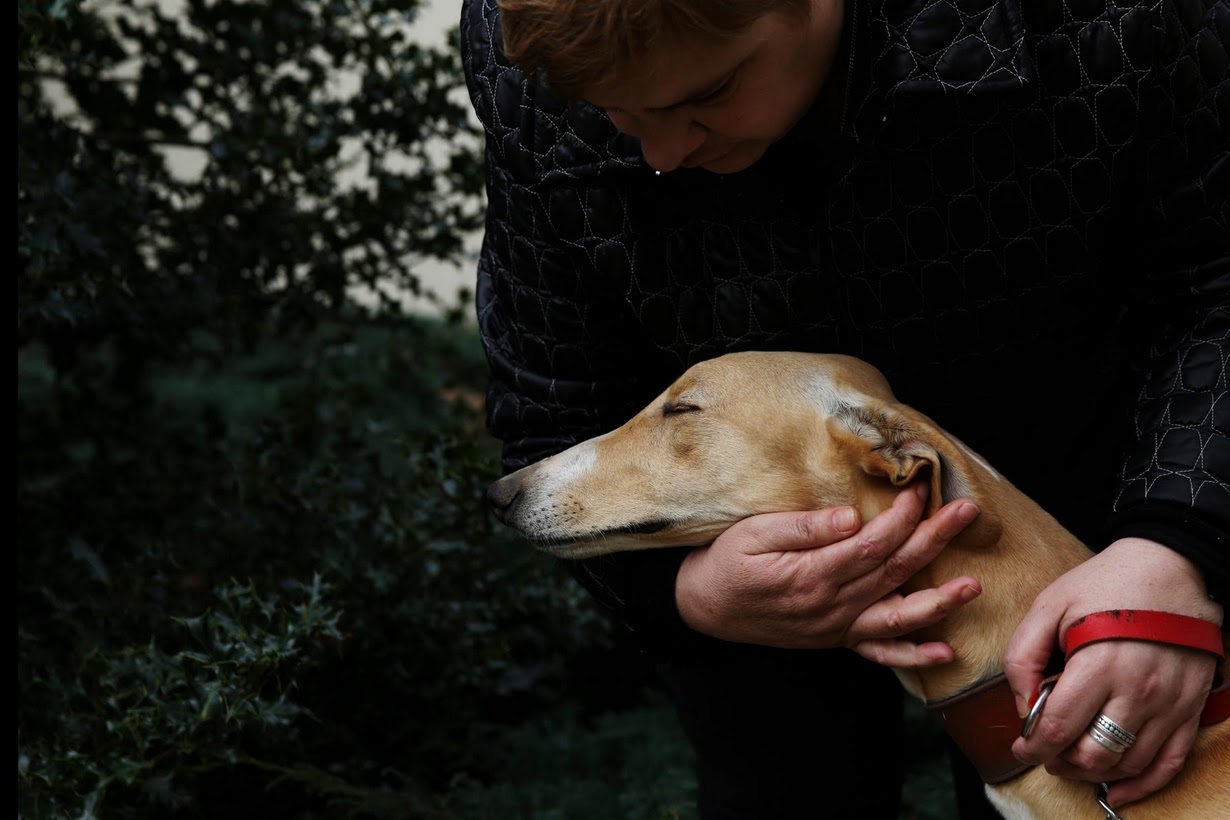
{"x":1013,"y":276}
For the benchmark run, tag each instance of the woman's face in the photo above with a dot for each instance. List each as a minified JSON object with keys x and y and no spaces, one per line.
{"x":719,"y":106}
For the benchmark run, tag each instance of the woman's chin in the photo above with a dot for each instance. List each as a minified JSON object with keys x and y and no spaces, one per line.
{"x":739,"y":158}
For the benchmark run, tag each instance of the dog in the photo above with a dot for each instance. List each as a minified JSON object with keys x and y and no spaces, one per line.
{"x":756,"y":432}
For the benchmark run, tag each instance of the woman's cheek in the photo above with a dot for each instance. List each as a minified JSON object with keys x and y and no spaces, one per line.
{"x":625,"y":123}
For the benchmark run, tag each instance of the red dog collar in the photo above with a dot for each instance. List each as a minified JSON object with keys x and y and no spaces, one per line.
{"x":983,"y":721}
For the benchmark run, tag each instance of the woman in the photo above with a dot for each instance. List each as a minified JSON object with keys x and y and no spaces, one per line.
{"x":1020,"y":217}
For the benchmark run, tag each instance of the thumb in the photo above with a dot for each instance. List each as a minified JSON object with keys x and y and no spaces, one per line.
{"x":785,"y":531}
{"x":1029,"y":651}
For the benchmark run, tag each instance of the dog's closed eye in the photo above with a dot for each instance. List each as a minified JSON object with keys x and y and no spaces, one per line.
{"x":675,"y":408}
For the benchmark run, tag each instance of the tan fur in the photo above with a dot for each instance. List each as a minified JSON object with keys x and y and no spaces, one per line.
{"x":763,"y":432}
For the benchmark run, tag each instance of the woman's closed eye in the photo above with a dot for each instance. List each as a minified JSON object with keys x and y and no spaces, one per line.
{"x":718,"y":94}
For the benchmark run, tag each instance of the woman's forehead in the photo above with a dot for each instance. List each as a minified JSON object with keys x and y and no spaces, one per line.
{"x":677,"y":71}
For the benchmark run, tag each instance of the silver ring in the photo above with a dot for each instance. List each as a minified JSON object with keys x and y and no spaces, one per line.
{"x":1106,"y":741}
{"x":1114,"y":730}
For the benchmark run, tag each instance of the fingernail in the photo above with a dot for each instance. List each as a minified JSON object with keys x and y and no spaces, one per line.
{"x":1028,"y":701}
{"x":920,"y":490}
{"x":967,"y":512}
{"x":845,"y":519}
{"x":969,"y":593}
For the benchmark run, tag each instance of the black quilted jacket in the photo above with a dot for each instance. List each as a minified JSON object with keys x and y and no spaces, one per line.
{"x":1023,"y":222}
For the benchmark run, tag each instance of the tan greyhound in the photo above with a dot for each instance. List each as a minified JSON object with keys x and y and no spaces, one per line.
{"x":749,"y":433}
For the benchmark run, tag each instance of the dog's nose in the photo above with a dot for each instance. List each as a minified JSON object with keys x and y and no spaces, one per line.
{"x":503,"y":496}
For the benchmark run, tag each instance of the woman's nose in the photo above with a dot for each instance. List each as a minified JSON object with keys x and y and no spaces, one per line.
{"x":667,"y":141}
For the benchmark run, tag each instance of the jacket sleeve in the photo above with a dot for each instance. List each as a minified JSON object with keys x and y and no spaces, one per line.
{"x":557,"y":340}
{"x":1175,"y":481}
{"x":567,"y":360}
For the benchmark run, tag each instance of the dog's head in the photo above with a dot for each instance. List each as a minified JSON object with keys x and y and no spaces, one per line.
{"x":735,"y":436}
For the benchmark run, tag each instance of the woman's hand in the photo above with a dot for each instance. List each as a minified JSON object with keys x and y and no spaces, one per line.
{"x":1155,"y":691}
{"x":818,"y":580}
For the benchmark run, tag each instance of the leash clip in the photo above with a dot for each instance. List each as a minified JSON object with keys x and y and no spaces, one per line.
{"x":1044,"y":692}
{"x":1099,"y":793}
{"x":1100,"y":789}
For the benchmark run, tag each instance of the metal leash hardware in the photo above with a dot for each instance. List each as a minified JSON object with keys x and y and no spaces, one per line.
{"x":1044,"y":692}
{"x":1100,"y":790}
{"x":1099,"y":793}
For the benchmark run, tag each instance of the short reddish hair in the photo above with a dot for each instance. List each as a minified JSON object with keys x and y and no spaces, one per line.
{"x":579,"y":44}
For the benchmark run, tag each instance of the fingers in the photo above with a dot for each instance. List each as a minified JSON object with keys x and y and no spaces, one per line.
{"x":786,"y":531}
{"x":1161,"y":707}
{"x":880,"y":538}
{"x":905,"y":654}
{"x":1161,"y":770}
{"x":1077,"y":754}
{"x":1134,"y":781}
{"x":893,"y":546}
{"x":1070,"y":707}
{"x":1029,"y":650}
{"x":1088,"y":759}
{"x":895,"y":615}
{"x":1100,"y":763}
{"x":776,"y":578}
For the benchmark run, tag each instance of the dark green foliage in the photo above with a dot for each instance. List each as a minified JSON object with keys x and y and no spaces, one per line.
{"x":331,"y":153}
{"x":256,"y":575}
{"x":314,"y":599}
{"x":626,"y":764}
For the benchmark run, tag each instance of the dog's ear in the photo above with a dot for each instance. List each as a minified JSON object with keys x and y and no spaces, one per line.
{"x":896,"y":443}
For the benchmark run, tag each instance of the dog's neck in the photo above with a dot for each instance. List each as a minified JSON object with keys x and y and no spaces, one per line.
{"x":1014,"y":559}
